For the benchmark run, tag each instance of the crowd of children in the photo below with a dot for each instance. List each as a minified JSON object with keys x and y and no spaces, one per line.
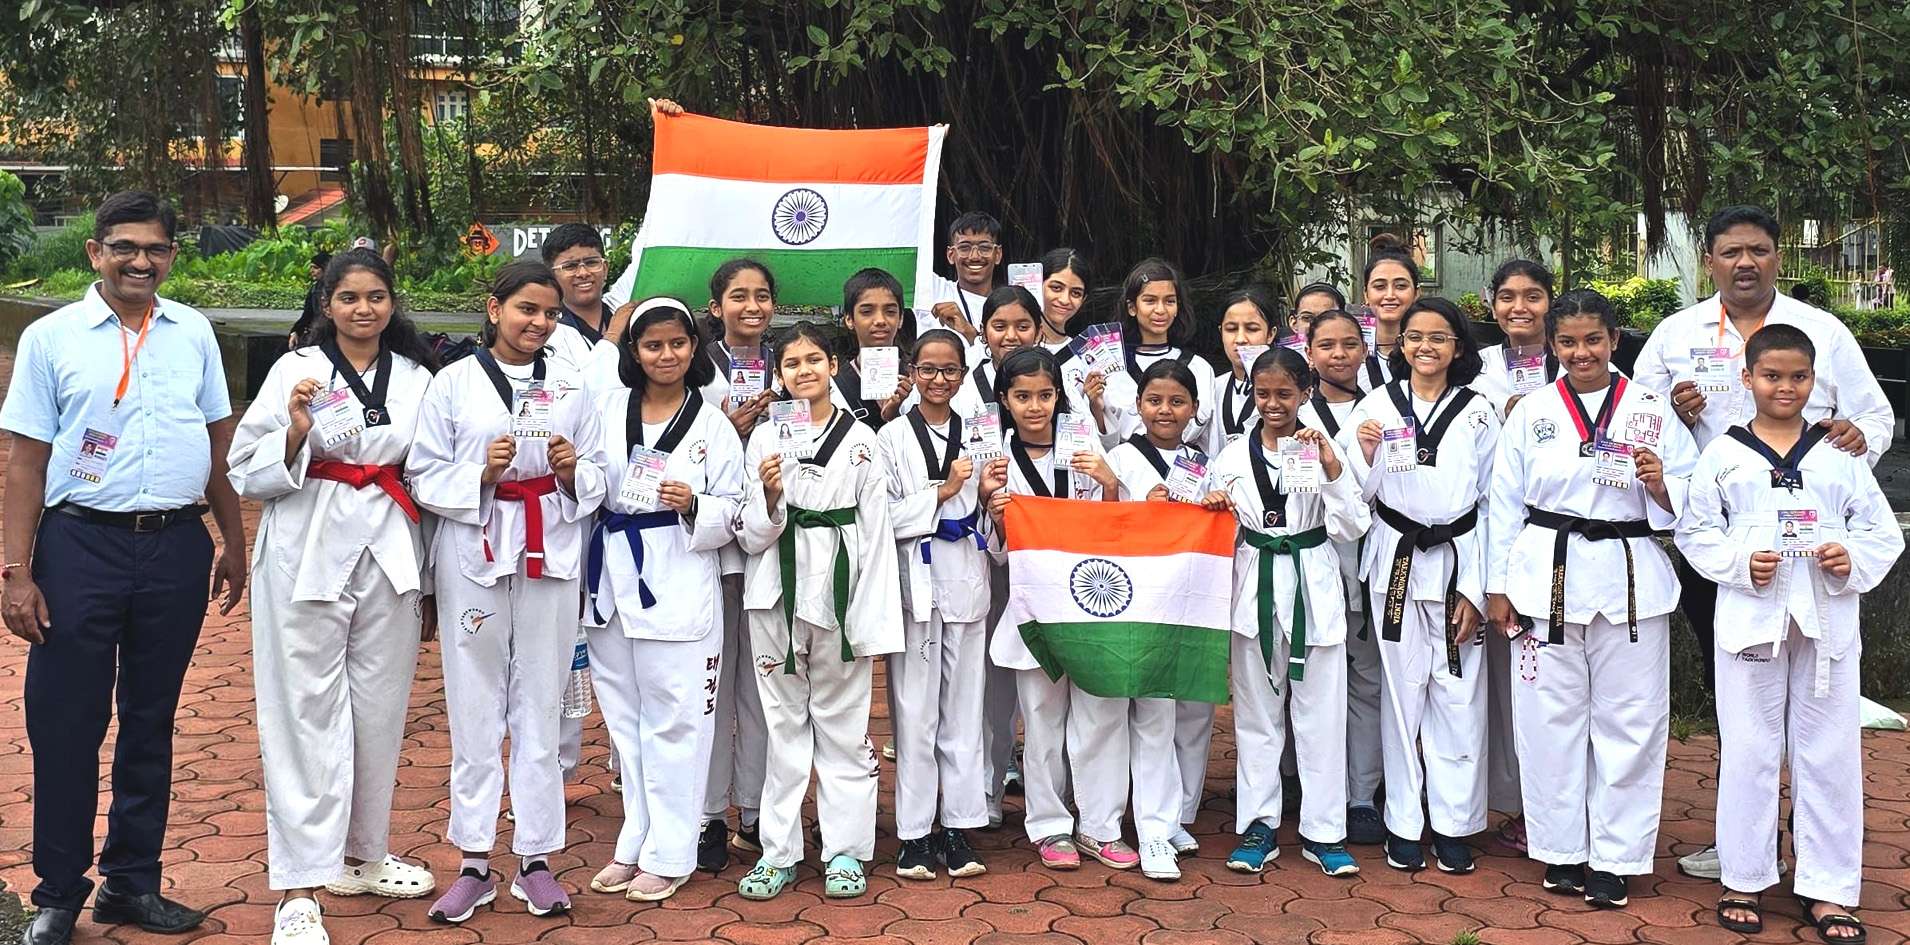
{"x":1447,"y":596}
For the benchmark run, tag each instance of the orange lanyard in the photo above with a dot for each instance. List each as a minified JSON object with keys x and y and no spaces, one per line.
{"x":127,"y":356}
{"x":1724,"y":317}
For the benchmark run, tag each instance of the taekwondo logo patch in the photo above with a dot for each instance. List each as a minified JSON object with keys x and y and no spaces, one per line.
{"x":699,"y":451}
{"x":1100,"y":587}
{"x":858,"y":454}
{"x":765,"y":665}
{"x":799,"y":216}
{"x":1726,"y":472}
{"x":1545,"y":431}
{"x":472,"y":619}
{"x":811,"y":472}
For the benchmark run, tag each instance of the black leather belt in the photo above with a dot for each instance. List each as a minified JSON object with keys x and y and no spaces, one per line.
{"x":139,"y":522}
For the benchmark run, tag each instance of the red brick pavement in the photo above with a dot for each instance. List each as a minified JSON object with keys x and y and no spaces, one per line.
{"x":215,"y":859}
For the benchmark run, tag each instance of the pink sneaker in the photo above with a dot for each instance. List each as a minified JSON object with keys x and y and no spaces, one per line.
{"x":1113,"y":854}
{"x":1058,"y":853}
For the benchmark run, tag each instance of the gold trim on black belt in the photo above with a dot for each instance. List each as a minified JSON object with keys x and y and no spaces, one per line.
{"x":1566,"y":526}
{"x":1415,"y":536}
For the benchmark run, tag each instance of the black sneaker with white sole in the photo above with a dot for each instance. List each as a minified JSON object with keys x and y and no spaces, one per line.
{"x":1364,"y":826}
{"x":916,"y":860}
{"x":1452,"y":854}
{"x":1606,"y":890}
{"x":1404,"y":854}
{"x":957,"y":855}
{"x":1566,"y":879}
{"x":747,"y":838}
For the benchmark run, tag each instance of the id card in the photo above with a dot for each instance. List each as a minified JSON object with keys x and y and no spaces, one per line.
{"x":1185,"y":479}
{"x":643,"y":480}
{"x":532,"y":417}
{"x":1369,"y":327}
{"x":1526,"y":366}
{"x":1105,"y":357}
{"x":1248,"y":355}
{"x":336,"y":416}
{"x":96,"y":446}
{"x":981,"y":437}
{"x":1713,"y":369}
{"x":1026,"y":275}
{"x":1400,"y":448}
{"x":881,"y":370}
{"x":1299,"y":466}
{"x":795,"y":439}
{"x":748,"y":376}
{"x":1611,"y":463}
{"x":1797,"y":533}
{"x":1073,"y":435}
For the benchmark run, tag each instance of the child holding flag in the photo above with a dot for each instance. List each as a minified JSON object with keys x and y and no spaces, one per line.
{"x":1029,"y":388}
{"x":822,"y":597}
{"x":1289,"y":619}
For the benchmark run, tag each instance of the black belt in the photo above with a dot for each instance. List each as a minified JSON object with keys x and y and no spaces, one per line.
{"x":1415,"y":536}
{"x":1567,"y":526}
{"x":137,"y":521}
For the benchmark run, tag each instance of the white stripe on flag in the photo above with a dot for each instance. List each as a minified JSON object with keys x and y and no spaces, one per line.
{"x":704,"y":211}
{"x":1063,"y":586}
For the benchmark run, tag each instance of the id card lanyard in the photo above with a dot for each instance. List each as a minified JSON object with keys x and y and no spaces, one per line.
{"x":128,"y":355}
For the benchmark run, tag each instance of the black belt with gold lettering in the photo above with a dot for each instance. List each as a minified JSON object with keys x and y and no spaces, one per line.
{"x":1415,"y":536}
{"x":1566,"y":526}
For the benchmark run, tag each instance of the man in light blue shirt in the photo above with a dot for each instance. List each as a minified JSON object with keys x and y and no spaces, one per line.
{"x":120,"y":423}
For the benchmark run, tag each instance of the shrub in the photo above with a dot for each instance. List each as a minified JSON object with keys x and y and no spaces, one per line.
{"x":16,"y":220}
{"x":64,"y":248}
{"x":1640,"y":303}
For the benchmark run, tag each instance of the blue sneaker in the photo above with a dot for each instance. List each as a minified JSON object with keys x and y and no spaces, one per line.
{"x":1255,"y":849}
{"x":1331,"y":858}
{"x":1404,"y":854}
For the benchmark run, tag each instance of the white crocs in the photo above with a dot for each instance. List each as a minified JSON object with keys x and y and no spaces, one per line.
{"x":298,"y":922}
{"x":390,"y":877}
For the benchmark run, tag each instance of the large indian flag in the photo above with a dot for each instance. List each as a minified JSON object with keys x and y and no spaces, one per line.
{"x":813,"y":205}
{"x":1126,"y":599}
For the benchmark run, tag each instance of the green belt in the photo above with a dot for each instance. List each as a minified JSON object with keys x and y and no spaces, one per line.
{"x":1291,"y":546}
{"x":786,"y":557}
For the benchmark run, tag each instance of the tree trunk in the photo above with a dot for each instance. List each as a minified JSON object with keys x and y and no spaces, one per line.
{"x":368,"y":92}
{"x":260,"y":187}
{"x":406,"y":104}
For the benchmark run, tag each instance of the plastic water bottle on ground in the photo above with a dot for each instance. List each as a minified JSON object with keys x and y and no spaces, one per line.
{"x":577,"y":689}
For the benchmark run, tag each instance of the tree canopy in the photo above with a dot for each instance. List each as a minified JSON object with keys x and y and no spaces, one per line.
{"x":1227,"y":136}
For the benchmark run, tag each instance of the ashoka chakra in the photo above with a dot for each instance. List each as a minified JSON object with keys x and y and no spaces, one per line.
{"x":799,"y":216}
{"x":1100,"y":587}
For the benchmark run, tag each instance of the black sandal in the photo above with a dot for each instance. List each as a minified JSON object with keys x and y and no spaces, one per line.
{"x":1826,"y":923}
{"x":1751,"y":905}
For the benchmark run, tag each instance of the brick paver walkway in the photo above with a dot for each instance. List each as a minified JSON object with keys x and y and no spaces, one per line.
{"x":215,"y":859}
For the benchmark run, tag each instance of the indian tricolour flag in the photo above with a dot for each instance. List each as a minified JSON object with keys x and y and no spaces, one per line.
{"x":813,"y":205}
{"x":1126,"y":599}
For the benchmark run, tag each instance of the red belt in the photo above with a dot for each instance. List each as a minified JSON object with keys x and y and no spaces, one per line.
{"x":358,"y":477}
{"x":528,"y":491}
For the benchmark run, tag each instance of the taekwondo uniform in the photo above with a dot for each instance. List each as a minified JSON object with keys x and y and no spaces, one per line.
{"x":1124,"y":389}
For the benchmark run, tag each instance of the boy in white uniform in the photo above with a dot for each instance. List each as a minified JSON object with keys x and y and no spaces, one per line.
{"x":1793,"y":531}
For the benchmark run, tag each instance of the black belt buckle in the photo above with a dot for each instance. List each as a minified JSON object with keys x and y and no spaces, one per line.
{"x":144,"y":522}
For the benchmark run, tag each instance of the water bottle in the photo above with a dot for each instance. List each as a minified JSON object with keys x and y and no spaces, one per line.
{"x":577,"y":690}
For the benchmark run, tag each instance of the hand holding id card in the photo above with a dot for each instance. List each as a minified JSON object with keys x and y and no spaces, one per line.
{"x":1185,"y":479}
{"x":336,"y":416}
{"x":1299,"y":466}
{"x":1797,"y":533}
{"x":1073,"y":435}
{"x":1400,"y":447}
{"x":643,"y":478}
{"x":981,"y":437}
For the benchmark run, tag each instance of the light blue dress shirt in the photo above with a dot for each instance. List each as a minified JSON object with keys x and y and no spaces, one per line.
{"x":64,"y":374}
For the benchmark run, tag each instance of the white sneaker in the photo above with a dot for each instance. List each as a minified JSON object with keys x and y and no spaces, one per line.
{"x":390,"y":877}
{"x":1704,"y":865}
{"x":1159,"y":861}
{"x":1184,"y":842}
{"x":298,"y":922}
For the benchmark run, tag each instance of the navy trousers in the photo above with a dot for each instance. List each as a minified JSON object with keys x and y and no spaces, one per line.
{"x":126,"y":610}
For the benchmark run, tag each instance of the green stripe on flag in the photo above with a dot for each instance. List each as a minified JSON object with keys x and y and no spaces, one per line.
{"x":803,"y":276}
{"x":1118,"y":659}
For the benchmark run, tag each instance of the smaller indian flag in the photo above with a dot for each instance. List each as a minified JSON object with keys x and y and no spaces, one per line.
{"x":813,"y":205}
{"x":1126,"y":599}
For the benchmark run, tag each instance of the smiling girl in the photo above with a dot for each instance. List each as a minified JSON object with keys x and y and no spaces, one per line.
{"x":1246,"y":318}
{"x":1165,"y":797}
{"x":938,"y":677}
{"x":822,"y":599}
{"x":508,"y":454}
{"x":1154,"y":327}
{"x":1289,"y":623}
{"x":1391,"y":286}
{"x":338,"y":568}
{"x":1337,"y":349}
{"x":1065,"y":279}
{"x":1424,"y":562}
{"x":872,"y":311}
{"x":651,"y":594}
{"x":1589,"y":466}
{"x":1521,"y":293}
{"x":1031,"y":396}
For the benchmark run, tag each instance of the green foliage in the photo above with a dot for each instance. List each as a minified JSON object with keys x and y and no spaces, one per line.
{"x":1877,"y":327}
{"x":16,"y":220}
{"x":1474,"y":306}
{"x":1465,"y":938}
{"x":64,"y":248}
{"x":1641,"y":303}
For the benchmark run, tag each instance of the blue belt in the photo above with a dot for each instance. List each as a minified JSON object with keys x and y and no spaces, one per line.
{"x":956,"y":529}
{"x":632,"y":527}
